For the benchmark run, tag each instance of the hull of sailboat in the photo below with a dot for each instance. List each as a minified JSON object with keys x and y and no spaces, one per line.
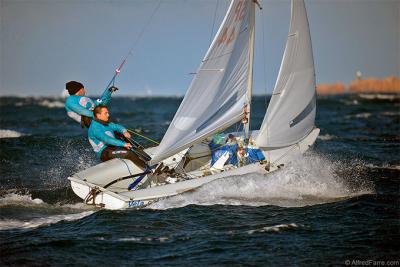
{"x":218,"y":97}
{"x":141,"y":198}
{"x":117,"y":197}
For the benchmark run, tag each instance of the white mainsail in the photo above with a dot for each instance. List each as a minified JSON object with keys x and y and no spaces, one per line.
{"x":218,"y":93}
{"x":290,"y":115}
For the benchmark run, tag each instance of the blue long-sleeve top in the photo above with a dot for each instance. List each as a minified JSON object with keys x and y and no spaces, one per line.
{"x":77,"y":106}
{"x":102,"y":135}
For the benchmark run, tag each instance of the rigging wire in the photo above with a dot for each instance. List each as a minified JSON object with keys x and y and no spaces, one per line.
{"x":118,"y":70}
{"x":263,"y":56}
{"x":264,"y":63}
{"x":215,"y":17}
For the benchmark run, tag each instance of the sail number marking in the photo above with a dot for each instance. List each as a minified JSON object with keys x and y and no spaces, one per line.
{"x":239,"y":10}
{"x":229,"y":33}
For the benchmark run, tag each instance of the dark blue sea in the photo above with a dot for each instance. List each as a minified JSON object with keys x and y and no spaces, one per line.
{"x":339,"y":205}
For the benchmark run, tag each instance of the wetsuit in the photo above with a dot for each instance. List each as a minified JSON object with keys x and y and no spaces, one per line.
{"x":102,"y":138}
{"x":80,"y":108}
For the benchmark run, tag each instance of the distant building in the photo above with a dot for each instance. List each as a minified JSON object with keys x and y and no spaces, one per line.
{"x":358,"y":75}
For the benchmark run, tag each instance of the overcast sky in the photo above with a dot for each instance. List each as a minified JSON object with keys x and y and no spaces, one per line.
{"x":44,"y":43}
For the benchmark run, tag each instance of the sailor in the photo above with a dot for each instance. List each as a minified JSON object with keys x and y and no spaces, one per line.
{"x":220,"y":146}
{"x":80,"y":107}
{"x":231,"y":140}
{"x":103,"y":140}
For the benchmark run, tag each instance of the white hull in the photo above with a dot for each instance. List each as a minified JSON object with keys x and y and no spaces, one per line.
{"x":118,"y":197}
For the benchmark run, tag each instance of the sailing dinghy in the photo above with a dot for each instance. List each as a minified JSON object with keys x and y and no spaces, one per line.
{"x":219,"y":97}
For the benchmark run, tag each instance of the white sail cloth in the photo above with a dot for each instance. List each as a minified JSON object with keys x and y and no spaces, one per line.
{"x":218,"y":93}
{"x":291,"y":112}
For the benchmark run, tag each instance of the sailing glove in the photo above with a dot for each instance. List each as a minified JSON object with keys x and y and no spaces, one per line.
{"x":113,"y":89}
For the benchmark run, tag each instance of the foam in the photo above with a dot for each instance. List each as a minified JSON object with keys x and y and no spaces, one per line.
{"x":384,"y":166}
{"x":51,"y":104}
{"x":73,"y":160}
{"x":9,"y":224}
{"x":364,"y":115}
{"x":352,"y":102}
{"x":4,"y":133}
{"x":275,"y":228}
{"x":36,"y":206}
{"x":327,"y":137}
{"x":144,"y":239}
{"x":17,"y":199}
{"x":379,"y":96}
{"x":26,"y":200}
{"x":310,"y":180}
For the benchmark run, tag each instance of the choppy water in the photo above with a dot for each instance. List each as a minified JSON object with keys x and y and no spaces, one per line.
{"x":340,"y":202}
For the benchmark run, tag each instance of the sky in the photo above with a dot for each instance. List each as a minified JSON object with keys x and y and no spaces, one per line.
{"x":45,"y":43}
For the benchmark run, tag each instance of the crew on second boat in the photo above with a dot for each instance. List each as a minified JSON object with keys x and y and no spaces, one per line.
{"x":102,"y":138}
{"x":80,"y":107}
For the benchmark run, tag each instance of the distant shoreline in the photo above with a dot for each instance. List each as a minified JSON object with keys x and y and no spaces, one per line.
{"x":370,"y":85}
{"x":388,"y":85}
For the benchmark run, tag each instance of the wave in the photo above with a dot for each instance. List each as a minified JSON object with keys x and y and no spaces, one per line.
{"x":34,"y":212}
{"x":390,"y":114}
{"x":308,"y":181}
{"x":275,"y":228}
{"x":144,"y":239}
{"x":19,"y":104}
{"x":51,"y":104}
{"x":4,"y":133}
{"x":379,"y":96}
{"x":47,"y":102}
{"x":364,"y":115}
{"x":350,"y":102}
{"x":327,"y":137}
{"x":11,"y":224}
{"x":384,"y":166}
{"x":173,"y":237}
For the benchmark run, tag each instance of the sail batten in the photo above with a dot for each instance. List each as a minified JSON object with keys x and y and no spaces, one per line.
{"x":215,"y":99}
{"x":290,"y":115}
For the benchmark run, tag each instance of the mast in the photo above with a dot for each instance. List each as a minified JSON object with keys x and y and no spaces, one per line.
{"x":251,"y":63}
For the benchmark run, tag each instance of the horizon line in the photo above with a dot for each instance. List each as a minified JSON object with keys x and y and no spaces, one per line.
{"x":117,"y":96}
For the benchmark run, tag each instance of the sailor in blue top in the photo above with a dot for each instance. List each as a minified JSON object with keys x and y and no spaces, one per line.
{"x":102,"y":138}
{"x":80,"y":107}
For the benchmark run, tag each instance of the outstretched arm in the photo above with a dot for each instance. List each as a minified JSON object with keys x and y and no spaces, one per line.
{"x":106,"y":96}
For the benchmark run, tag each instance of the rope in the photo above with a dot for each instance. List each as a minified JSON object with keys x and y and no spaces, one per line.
{"x":145,"y":137}
{"x":118,"y":70}
{"x":215,"y":16}
{"x":263,"y":55}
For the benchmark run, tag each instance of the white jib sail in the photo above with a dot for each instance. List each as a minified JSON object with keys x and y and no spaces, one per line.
{"x":290,"y":115}
{"x":218,"y":93}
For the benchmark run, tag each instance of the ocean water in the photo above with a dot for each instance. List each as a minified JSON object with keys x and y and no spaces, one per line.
{"x":338,"y":205}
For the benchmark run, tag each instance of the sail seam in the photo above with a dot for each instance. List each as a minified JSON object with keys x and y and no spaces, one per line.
{"x":227,"y":53}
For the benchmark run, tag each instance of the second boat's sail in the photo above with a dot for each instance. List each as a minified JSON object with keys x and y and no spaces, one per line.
{"x":218,"y":93}
{"x":290,"y":115}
